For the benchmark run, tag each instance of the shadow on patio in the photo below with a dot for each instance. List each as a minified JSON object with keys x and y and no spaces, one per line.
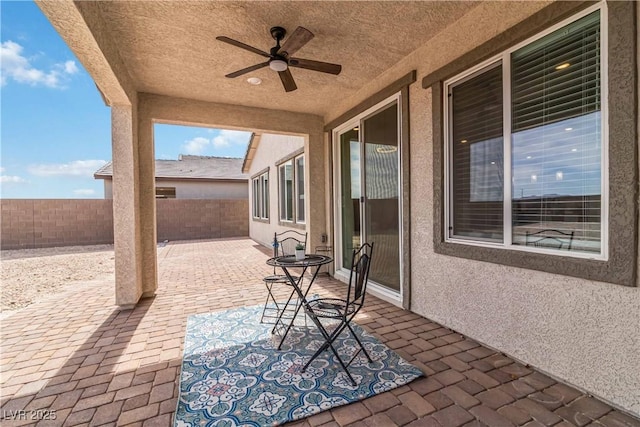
{"x":96,"y":365}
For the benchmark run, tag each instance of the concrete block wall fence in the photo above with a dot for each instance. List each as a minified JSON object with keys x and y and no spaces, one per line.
{"x":189,"y":219}
{"x":41,"y":223}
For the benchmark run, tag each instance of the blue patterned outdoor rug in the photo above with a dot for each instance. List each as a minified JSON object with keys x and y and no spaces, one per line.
{"x":232,"y":374}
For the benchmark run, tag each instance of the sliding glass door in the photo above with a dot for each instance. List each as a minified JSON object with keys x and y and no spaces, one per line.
{"x":381,"y":203}
{"x":350,"y":200}
{"x":367,"y":151}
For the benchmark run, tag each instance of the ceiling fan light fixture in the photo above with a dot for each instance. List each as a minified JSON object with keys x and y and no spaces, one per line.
{"x":278,"y":65}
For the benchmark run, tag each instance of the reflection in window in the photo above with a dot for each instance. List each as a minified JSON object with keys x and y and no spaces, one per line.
{"x":354,"y":155}
{"x":487,"y":167}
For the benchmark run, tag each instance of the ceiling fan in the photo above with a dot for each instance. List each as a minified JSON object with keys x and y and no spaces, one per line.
{"x":280,"y":58}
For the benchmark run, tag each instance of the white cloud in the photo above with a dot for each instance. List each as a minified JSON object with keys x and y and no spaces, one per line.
{"x":74,"y":168}
{"x":220,"y":142}
{"x":12,"y":179}
{"x":70,"y":67}
{"x":195,"y":146}
{"x":84,"y":192}
{"x":230,"y":137}
{"x":18,"y":67}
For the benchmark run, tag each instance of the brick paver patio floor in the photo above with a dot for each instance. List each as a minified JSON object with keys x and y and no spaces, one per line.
{"x":95,"y":365}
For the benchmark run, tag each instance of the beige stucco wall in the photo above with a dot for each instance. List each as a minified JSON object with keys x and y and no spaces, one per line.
{"x":586,"y":333}
{"x":272,"y":148}
{"x":196,"y":190}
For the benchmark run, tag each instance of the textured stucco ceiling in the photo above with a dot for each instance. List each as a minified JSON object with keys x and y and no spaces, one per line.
{"x":169,"y":48}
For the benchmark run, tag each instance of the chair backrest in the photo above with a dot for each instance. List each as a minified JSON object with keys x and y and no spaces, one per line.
{"x":359,"y":277}
{"x":550,"y":238}
{"x":285,"y":243}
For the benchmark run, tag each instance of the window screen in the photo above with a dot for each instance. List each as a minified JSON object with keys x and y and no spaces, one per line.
{"x":477,"y":163}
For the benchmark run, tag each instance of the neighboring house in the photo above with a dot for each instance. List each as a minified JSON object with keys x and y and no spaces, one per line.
{"x":277,"y":186}
{"x":495,"y":120}
{"x":191,"y":177}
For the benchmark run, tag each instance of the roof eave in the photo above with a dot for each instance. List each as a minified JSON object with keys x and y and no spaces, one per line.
{"x":251,"y":151}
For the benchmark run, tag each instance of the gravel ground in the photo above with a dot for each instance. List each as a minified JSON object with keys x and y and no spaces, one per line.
{"x":29,"y":275}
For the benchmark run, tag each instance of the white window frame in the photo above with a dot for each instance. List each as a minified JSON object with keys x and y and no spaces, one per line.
{"x":260,"y":196}
{"x":291,"y":161}
{"x":255,"y":211}
{"x":505,"y":58}
{"x":264,"y":194}
{"x":342,"y":273}
{"x":297,"y":190}
{"x":282,"y":195}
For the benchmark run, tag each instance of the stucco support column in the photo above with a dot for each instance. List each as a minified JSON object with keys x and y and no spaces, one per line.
{"x":126,"y":217}
{"x":147,"y":189}
{"x":315,"y":161}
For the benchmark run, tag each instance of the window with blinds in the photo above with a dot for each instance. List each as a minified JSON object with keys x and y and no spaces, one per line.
{"x":556,"y":145}
{"x":477,"y":166}
{"x":556,"y":139}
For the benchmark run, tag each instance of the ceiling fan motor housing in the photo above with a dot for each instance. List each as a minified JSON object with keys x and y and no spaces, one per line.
{"x":278,"y":33}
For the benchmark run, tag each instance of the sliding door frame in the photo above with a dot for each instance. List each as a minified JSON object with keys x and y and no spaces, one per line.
{"x":400,"y":298}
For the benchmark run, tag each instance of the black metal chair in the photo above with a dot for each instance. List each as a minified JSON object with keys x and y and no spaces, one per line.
{"x":550,"y":238}
{"x":284,"y":243}
{"x":343,"y":310}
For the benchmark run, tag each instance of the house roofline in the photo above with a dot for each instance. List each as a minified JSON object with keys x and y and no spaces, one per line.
{"x":170,"y":178}
{"x":251,"y":151}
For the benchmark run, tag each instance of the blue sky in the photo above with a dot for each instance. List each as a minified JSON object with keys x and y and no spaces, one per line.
{"x":55,"y":128}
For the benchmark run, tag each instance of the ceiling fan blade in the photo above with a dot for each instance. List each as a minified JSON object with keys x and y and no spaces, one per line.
{"x":247,"y":70}
{"x":323,"y":67}
{"x":295,"y":41}
{"x":242,"y":45}
{"x":287,"y":80}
